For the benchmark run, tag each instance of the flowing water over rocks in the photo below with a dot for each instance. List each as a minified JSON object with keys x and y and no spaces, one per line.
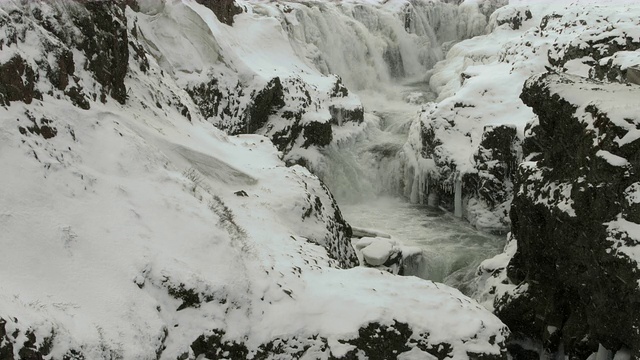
{"x":370,"y":180}
{"x":452,"y":249}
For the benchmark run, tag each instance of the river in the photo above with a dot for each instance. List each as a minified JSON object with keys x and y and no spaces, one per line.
{"x":365,"y":174}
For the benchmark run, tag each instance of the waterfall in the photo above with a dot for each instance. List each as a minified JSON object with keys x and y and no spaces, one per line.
{"x":383,"y":53}
{"x":372,"y":46}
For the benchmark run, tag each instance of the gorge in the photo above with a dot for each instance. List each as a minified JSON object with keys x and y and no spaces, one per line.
{"x":247,"y":179}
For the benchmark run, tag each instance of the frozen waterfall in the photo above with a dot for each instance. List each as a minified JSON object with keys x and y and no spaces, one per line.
{"x":372,"y":46}
{"x":384,"y":53}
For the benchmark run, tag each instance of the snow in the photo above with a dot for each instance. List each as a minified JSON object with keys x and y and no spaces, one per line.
{"x":495,"y":66}
{"x":625,"y":236}
{"x":129,"y":203}
{"x":632,"y":193}
{"x":613,"y":160}
{"x":375,"y":251}
{"x":492,"y":281}
{"x":416,"y":354}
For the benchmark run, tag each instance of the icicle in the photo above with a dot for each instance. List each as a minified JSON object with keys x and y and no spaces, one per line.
{"x":458,"y":197}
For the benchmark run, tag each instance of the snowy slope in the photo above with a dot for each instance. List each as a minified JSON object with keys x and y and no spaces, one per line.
{"x":131,"y":228}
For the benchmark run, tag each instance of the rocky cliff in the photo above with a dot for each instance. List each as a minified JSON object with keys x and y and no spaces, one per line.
{"x":575,"y":219}
{"x":568,"y":277}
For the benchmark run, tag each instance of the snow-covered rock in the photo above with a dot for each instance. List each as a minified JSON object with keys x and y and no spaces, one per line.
{"x":387,"y":254}
{"x":576,"y":263}
{"x":569,"y":271}
{"x":132,"y":228}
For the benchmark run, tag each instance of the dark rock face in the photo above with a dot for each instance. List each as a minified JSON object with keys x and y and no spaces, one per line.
{"x":337,"y":240}
{"x":225,"y":10}
{"x":487,"y":185}
{"x":341,"y":115}
{"x":573,"y":214}
{"x":598,"y":44}
{"x":597,"y":48}
{"x":98,"y":29}
{"x":496,"y":163}
{"x":264,"y":103}
{"x":106,"y":46}
{"x":44,"y":127}
{"x":317,"y":133}
{"x":17,"y":81}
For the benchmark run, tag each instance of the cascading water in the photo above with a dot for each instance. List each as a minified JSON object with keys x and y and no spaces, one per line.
{"x":378,"y":187}
{"x":384,"y":53}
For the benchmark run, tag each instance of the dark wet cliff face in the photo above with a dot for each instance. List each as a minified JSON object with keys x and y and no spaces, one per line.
{"x":573,"y":215}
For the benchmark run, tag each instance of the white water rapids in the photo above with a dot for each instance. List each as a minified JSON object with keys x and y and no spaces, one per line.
{"x":383,"y":51}
{"x":367,"y":176}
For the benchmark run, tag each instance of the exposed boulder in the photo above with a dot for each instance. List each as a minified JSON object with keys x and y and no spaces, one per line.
{"x":386,"y":254}
{"x":225,"y":10}
{"x":576,"y":264}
